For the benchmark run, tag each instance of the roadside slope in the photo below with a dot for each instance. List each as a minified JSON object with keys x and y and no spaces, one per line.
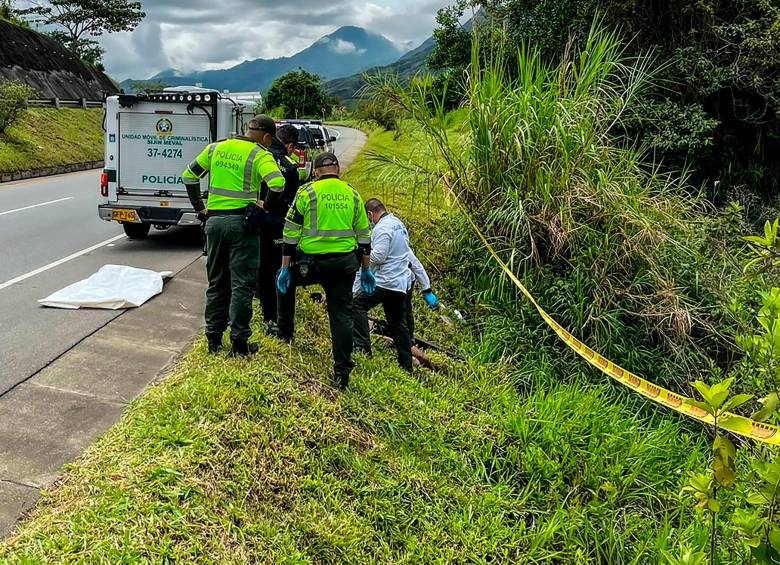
{"x":234,"y":461}
{"x":49,"y":138}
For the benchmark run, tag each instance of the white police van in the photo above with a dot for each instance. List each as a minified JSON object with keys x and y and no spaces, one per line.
{"x":150,"y":140}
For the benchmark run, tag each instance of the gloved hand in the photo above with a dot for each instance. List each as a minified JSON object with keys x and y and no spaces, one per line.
{"x":367,"y":282}
{"x":430,"y":299}
{"x":283,"y":280}
{"x":203,"y":215}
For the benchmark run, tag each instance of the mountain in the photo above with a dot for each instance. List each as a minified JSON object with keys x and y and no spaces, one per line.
{"x":406,"y":67}
{"x":412,"y":63}
{"x":347,"y":50}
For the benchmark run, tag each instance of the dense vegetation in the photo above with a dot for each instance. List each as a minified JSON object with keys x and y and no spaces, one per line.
{"x":714,"y":105}
{"x":621,"y":253}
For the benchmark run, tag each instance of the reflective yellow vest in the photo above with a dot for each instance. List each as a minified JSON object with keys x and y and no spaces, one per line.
{"x":236,"y":168}
{"x":328,"y":216}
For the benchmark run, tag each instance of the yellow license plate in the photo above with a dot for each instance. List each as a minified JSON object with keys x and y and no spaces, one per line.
{"x":122,"y":215}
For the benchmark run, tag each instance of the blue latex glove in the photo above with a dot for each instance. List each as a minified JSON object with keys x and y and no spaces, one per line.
{"x":430,"y":299}
{"x":283,"y":280}
{"x":367,"y":282}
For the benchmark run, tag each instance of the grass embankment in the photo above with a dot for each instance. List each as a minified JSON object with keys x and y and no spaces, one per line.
{"x":49,"y":138}
{"x":232,"y":461}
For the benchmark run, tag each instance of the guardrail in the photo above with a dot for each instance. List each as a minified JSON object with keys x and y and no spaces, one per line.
{"x":62,"y":103}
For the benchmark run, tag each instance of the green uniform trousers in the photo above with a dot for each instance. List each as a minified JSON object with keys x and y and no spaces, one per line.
{"x":232,"y":263}
{"x":336,"y":273}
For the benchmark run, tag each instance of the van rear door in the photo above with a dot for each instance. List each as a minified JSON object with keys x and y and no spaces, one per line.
{"x":155,"y":148}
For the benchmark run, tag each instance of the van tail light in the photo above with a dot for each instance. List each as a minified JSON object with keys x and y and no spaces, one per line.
{"x":104,"y":184}
{"x":302,"y":158}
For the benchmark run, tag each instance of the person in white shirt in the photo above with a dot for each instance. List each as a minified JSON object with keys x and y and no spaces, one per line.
{"x":390,"y":260}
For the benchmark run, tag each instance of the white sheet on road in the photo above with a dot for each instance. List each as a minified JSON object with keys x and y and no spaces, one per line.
{"x":113,"y":287}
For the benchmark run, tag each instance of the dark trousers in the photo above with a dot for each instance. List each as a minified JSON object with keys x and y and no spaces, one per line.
{"x":409,"y":313}
{"x":394,"y":304}
{"x":270,"y":261}
{"x":231,"y":265}
{"x":336,"y":275}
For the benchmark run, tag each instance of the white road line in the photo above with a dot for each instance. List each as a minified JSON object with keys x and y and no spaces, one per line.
{"x":36,"y":205}
{"x":59,"y":262}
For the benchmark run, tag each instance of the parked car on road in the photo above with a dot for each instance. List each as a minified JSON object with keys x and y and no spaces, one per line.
{"x":322,"y":136}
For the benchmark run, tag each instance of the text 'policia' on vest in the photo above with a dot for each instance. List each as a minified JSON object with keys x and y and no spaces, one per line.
{"x":236,"y":168}
{"x":340,"y":229}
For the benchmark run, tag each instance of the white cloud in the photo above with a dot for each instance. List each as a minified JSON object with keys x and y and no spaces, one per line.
{"x":207,"y":35}
{"x":342,"y":47}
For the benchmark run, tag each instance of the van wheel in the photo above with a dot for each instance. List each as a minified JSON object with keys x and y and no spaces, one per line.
{"x":136,"y":231}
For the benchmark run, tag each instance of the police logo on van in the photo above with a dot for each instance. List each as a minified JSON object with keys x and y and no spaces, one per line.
{"x":164,"y":127}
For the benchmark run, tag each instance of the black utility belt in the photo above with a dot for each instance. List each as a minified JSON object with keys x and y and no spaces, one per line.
{"x":307,"y":263}
{"x":316,"y":256}
{"x":233,"y":212}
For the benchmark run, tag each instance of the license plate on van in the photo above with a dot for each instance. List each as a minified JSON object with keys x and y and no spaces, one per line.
{"x":123,"y":215}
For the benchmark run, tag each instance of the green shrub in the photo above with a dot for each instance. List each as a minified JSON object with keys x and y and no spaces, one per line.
{"x":13,"y":102}
{"x":619,"y":253}
{"x":371,"y":111}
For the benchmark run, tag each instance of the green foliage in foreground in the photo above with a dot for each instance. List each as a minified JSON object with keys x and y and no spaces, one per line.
{"x":49,"y":137}
{"x":232,"y":461}
{"x":235,"y":462}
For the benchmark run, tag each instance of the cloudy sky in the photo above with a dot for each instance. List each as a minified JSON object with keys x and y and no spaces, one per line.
{"x":212,"y":34}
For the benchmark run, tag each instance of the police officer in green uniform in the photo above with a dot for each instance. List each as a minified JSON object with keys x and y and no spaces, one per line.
{"x":237,"y":167}
{"x":326,"y":238}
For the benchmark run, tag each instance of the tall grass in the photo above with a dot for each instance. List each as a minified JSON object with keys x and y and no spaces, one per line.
{"x":620,"y":253}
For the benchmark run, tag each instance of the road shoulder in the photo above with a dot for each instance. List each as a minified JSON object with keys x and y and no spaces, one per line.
{"x":51,"y":418}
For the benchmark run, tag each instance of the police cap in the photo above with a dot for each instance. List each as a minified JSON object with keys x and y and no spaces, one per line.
{"x":263,"y":123}
{"x":326,"y":159}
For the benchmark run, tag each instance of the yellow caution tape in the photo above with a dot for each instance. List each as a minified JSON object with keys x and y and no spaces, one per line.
{"x":732,"y":422}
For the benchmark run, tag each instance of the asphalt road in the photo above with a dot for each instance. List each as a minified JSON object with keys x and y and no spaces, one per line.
{"x":51,"y":236}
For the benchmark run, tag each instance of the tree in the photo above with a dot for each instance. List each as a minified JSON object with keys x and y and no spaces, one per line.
{"x":299,"y":93}
{"x":453,"y":42}
{"x":9,"y":14}
{"x":14,"y":96}
{"x":716,"y":110}
{"x":148,"y":85}
{"x":78,"y":22}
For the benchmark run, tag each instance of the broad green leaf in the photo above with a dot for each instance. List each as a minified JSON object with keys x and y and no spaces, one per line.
{"x":723,"y":461}
{"x":768,"y":406}
{"x":736,"y":424}
{"x":719,"y":392}
{"x":704,"y":406}
{"x":704,"y":390}
{"x":736,"y":401}
{"x":769,"y":471}
{"x":756,"y":499}
{"x":774,"y":538}
{"x":699,"y":482}
{"x":713,"y":505}
{"x":770,"y":232}
{"x":757,"y":239}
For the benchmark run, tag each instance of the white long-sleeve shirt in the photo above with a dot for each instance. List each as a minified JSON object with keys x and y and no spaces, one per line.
{"x":418,"y":273}
{"x":390,"y":255}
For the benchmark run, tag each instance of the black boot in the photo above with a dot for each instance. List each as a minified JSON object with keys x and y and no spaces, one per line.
{"x":215,"y":342}
{"x":242,"y":349}
{"x":342,"y":380}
